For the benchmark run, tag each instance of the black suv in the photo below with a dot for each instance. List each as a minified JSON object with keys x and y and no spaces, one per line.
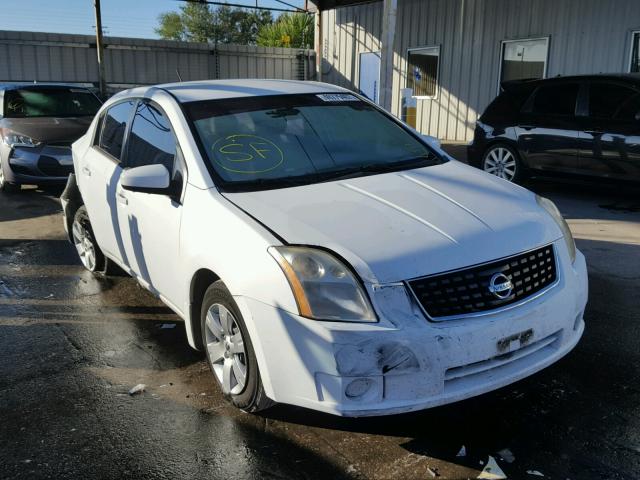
{"x":582,"y":125}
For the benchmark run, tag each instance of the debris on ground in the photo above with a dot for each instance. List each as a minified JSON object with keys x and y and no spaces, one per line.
{"x":462,"y":452}
{"x":507,"y":455}
{"x":165,"y":326}
{"x":535,"y":473}
{"x":492,"y":471}
{"x":433,"y":472}
{"x":137,"y":389}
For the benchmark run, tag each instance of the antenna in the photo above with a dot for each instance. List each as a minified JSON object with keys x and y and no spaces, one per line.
{"x":178,"y":74}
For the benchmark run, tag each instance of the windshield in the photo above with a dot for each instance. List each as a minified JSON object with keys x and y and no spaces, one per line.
{"x":274,"y":141}
{"x":50,"y":102}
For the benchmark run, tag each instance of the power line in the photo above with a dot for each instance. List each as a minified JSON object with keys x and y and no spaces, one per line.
{"x":293,"y":9}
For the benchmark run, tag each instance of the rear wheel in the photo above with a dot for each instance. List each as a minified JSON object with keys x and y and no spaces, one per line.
{"x":503,"y":161}
{"x":4,"y":185}
{"x":88,"y":250}
{"x":229,"y":350}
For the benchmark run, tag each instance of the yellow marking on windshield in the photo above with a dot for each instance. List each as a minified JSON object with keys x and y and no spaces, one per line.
{"x":247,"y":154}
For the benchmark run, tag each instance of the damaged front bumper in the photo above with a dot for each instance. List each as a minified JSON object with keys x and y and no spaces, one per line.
{"x":406,"y":363}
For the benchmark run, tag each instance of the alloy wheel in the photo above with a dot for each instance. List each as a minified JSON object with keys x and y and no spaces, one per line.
{"x":84,"y":245}
{"x":501,"y":163}
{"x":226,"y":349}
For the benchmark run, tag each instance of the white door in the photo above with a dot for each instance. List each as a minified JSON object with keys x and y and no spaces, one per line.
{"x":150,"y":222}
{"x":99,"y":177}
{"x":370,"y":75}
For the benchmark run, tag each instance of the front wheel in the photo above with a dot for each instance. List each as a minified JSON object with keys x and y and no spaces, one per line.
{"x":229,"y":350}
{"x":88,"y":250}
{"x":503,"y":161}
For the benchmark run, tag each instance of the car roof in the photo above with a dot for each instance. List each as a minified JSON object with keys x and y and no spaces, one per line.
{"x":626,"y":77}
{"x":221,"y":89}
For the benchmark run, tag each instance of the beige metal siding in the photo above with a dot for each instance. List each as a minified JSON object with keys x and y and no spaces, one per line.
{"x":585,"y":36}
{"x":49,"y":57}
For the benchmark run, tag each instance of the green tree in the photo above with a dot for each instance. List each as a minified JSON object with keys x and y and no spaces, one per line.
{"x":198,"y":22}
{"x":293,"y":30}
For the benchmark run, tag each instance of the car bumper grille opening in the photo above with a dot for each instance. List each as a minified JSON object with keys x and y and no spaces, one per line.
{"x":467,"y":291}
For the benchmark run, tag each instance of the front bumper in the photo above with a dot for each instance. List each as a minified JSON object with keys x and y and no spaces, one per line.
{"x":406,"y":363}
{"x":44,"y":164}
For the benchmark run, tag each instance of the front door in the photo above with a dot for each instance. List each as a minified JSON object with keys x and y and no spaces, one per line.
{"x":547,"y":132}
{"x":609,"y":144}
{"x":370,"y":75}
{"x":99,"y":178}
{"x":150,"y":223}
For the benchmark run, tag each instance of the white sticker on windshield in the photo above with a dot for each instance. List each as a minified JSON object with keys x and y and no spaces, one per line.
{"x":337,"y":97}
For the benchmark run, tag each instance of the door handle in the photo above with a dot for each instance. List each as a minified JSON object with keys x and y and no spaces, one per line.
{"x":122,"y":198}
{"x":86,"y":171}
{"x":527,"y":127}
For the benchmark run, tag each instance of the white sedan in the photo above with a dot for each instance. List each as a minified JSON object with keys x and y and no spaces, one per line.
{"x":322,"y":253}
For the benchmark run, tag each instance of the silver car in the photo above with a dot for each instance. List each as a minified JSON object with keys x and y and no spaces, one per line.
{"x":38,"y":124}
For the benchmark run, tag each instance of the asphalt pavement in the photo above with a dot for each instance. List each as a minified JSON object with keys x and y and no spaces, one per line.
{"x":73,"y":345}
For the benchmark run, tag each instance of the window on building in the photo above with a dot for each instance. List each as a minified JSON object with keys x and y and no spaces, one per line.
{"x":635,"y":52}
{"x":524,"y":59}
{"x":556,"y":99}
{"x":151,"y":140}
{"x":422,"y":71}
{"x":114,"y":125}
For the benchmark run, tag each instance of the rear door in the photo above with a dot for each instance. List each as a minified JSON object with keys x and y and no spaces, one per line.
{"x":609,"y":144}
{"x":546,"y":131}
{"x":99,"y":177}
{"x":150,"y":223}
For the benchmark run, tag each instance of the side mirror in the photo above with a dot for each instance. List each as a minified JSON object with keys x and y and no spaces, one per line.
{"x":147,"y":179}
{"x":433,"y":141}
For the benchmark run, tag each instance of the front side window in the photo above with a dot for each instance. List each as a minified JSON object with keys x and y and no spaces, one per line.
{"x":556,"y":100}
{"x":524,"y":59}
{"x":151,"y":140}
{"x":275,"y":141}
{"x":635,"y":52}
{"x":422,"y":71}
{"x":50,"y":101}
{"x":607,"y":100}
{"x":114,"y":125}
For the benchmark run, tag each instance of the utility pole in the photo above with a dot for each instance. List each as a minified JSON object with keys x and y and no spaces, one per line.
{"x":99,"y":48}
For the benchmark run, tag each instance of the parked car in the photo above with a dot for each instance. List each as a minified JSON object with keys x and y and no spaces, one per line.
{"x":585,"y":126}
{"x":321,"y":252}
{"x":38,"y":123}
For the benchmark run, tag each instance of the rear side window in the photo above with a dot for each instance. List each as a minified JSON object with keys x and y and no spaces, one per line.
{"x":609,"y":100}
{"x":507,"y":104}
{"x":151,"y":140}
{"x":556,"y":100}
{"x":114,"y":124}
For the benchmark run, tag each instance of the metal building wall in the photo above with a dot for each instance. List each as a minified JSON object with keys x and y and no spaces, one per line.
{"x":585,"y":36}
{"x":50,"y":57}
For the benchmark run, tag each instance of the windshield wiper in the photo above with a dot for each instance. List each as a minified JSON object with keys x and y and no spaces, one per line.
{"x":353,"y":172}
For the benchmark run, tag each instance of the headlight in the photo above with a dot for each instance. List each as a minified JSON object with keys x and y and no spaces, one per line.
{"x":14,"y":139}
{"x":551,"y":208}
{"x":324,"y":288}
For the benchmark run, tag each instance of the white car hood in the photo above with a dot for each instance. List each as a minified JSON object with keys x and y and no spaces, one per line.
{"x":402,"y":225}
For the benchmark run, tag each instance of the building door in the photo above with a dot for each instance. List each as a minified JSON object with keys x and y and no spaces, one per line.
{"x":370,"y":75}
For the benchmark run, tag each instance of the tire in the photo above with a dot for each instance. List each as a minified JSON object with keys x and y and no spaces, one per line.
{"x":84,"y":240}
{"x":229,"y":350}
{"x":504,"y":162}
{"x":5,"y":186}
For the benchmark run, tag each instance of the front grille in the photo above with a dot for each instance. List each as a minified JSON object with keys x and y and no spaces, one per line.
{"x":51,"y":167}
{"x":464,"y":292}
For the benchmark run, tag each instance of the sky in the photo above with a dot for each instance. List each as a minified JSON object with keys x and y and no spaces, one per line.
{"x":120,"y":18}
